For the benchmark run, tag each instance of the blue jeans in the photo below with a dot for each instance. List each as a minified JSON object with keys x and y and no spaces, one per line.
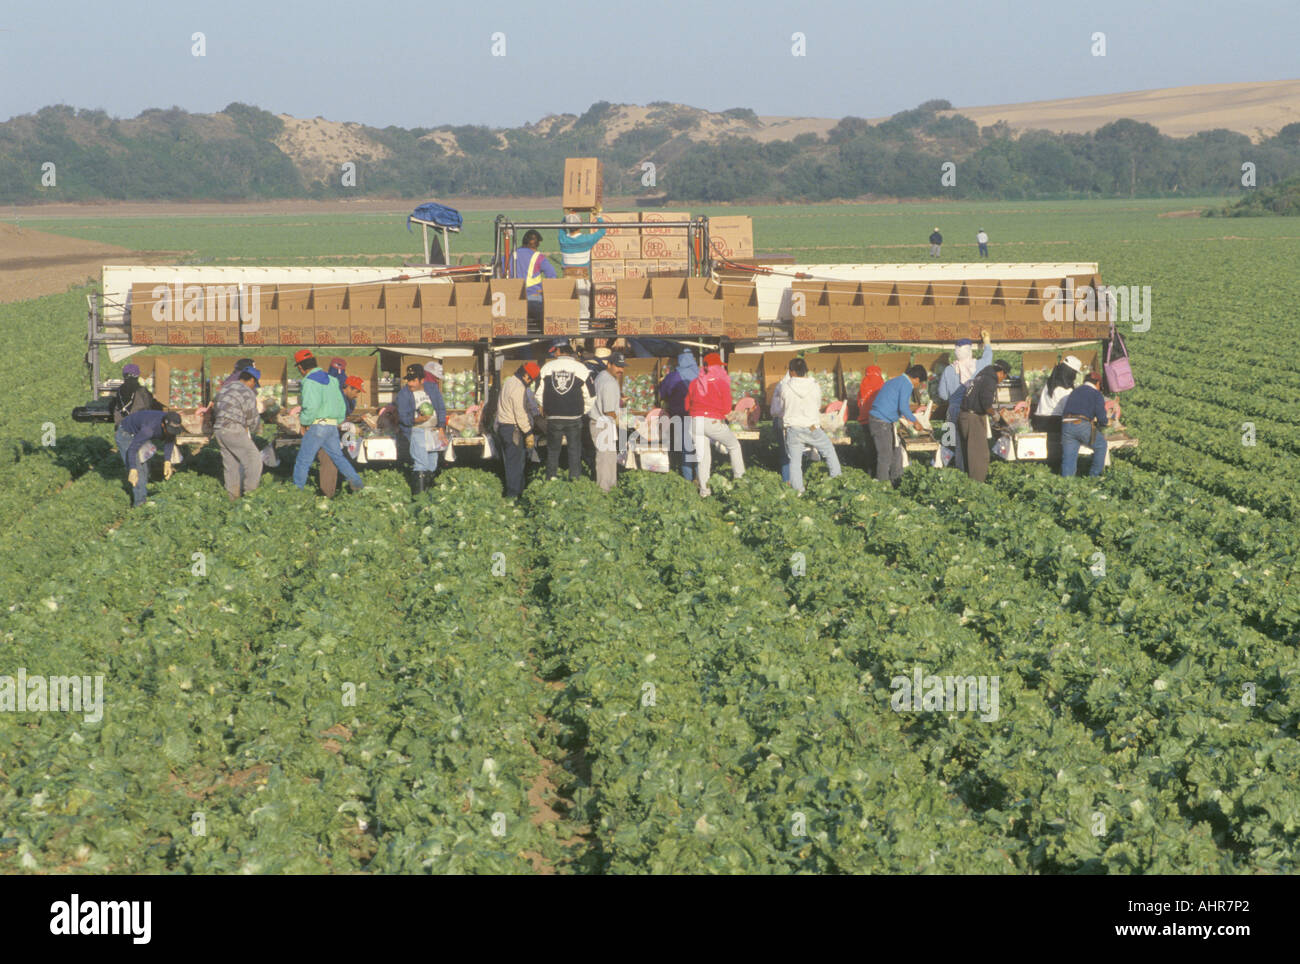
{"x":326,"y":437}
{"x":513,"y":455}
{"x":139,"y":493}
{"x":795,"y":439}
{"x":778,"y":423}
{"x":1074,"y":434}
{"x":123,"y":439}
{"x":984,"y":250}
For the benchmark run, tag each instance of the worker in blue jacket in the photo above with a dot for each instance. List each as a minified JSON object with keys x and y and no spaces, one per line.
{"x":145,"y":428}
{"x":1083,"y":415}
{"x":576,"y":245}
{"x":893,"y":402}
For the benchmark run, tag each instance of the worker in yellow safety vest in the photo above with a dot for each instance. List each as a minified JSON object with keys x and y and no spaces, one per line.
{"x":531,"y":265}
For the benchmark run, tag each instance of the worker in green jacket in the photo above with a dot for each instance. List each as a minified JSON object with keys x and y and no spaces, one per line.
{"x":323,"y":410}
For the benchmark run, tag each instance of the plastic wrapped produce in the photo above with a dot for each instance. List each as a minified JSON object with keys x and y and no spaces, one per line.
{"x":640,"y":391}
{"x":826,"y":382}
{"x":185,"y":388}
{"x":459,"y":390}
{"x":745,"y":385}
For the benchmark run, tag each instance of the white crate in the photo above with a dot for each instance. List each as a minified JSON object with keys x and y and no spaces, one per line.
{"x":380,"y":449}
{"x":1031,"y":445}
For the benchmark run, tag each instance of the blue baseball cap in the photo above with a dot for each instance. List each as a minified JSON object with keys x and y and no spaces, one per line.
{"x":250,"y":370}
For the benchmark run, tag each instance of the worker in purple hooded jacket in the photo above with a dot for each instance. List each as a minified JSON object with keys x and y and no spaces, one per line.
{"x":672,"y":394}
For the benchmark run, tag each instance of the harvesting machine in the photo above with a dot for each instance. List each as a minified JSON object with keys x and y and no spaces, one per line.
{"x":713,"y":294}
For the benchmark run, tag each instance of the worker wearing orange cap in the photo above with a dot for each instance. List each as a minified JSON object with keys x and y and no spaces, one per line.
{"x":708,"y":402}
{"x":514,"y":424}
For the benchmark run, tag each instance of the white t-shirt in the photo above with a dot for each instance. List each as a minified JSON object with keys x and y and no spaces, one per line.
{"x":1052,"y":402}
{"x":982,"y":238}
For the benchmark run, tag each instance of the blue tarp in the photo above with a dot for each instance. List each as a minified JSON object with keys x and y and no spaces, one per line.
{"x":439,"y":214}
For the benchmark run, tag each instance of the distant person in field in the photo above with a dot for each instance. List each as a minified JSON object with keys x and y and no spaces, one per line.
{"x":531,"y":265}
{"x":982,"y":240}
{"x":936,"y":242}
{"x":1082,"y":418}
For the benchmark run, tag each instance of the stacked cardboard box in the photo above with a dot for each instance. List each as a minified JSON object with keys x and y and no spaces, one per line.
{"x":297,"y":319}
{"x":562,"y":310}
{"x":509,"y":309}
{"x":635,"y":307}
{"x":739,"y":309}
{"x":473,"y":311}
{"x":263,"y":313}
{"x":332,"y":308}
{"x":437,"y":313}
{"x":401,"y":314}
{"x":584,"y":183}
{"x":732,"y":237}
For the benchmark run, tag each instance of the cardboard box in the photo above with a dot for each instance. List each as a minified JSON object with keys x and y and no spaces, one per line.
{"x":847,"y":310}
{"x":956,"y":317}
{"x":606,"y":272}
{"x":739,"y":310}
{"x":330,"y":304}
{"x":401,"y":314}
{"x":166,"y":385}
{"x":437,"y":313}
{"x":731,"y":236}
{"x":366,"y":367}
{"x":616,"y":249}
{"x":808,"y":304}
{"x":981,"y":291}
{"x":605,"y":295}
{"x":893,"y":363}
{"x":509,"y":309}
{"x":635,"y":307}
{"x":297,"y":319}
{"x":184,"y":314}
{"x":639,"y":268}
{"x":772,"y":369}
{"x":614,"y":218}
{"x":664,"y":247}
{"x":670,"y":268}
{"x":221,"y":314}
{"x":561,"y":308}
{"x":263,"y":311}
{"x":705,"y":306}
{"x":671,"y":309}
{"x":148,"y":308}
{"x":876,"y":293}
{"x":473,"y":311}
{"x":584,"y":183}
{"x":910,"y":294}
{"x":653,"y":218}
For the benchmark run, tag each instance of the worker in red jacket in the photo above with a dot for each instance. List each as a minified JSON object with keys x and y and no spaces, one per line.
{"x":708,"y":403}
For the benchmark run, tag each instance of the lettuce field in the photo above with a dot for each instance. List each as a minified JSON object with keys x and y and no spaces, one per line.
{"x":650,"y":682}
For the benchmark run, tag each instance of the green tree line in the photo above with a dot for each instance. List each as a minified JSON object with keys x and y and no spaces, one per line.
{"x":175,"y":155}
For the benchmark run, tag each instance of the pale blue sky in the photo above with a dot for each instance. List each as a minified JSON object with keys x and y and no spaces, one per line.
{"x":423,"y":64}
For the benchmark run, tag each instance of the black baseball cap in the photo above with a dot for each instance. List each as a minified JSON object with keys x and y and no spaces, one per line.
{"x":414,"y":370}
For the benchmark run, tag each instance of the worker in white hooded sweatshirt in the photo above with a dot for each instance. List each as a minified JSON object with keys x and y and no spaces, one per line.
{"x":802,"y":400}
{"x":954,"y":381}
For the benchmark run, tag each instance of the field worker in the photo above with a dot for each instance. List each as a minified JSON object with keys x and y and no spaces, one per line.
{"x":576,"y":245}
{"x":708,"y":402}
{"x":604,"y":420}
{"x":873,"y":380}
{"x":233,"y":427}
{"x":514,"y":424}
{"x":433,"y":375}
{"x":778,"y":426}
{"x":977,"y":407}
{"x":144,"y":428}
{"x":329,"y":475}
{"x":323,"y":410}
{"x":1083,"y":415}
{"x":130,"y":397}
{"x":672,"y":395}
{"x":936,"y":242}
{"x":1051,"y":404}
{"x":338,"y":369}
{"x":595,"y":365}
{"x":801,"y":415}
{"x":566,"y":396}
{"x":982,"y":240}
{"x":531,"y":265}
{"x":954,"y":381}
{"x":893,"y":402}
{"x":417,"y":431}
{"x":240,"y":365}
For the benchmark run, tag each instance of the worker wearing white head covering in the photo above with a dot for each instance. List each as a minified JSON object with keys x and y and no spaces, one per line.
{"x":953,"y":384}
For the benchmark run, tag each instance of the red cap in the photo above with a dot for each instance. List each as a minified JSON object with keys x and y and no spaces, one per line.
{"x":302,"y":354}
{"x":713,"y":358}
{"x":532,"y":369}
{"x":354,"y":381}
{"x":337,"y":362}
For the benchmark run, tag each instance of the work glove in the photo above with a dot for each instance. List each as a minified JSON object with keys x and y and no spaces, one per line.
{"x":984,"y":334}
{"x":133,"y":476}
{"x":168,"y":469}
{"x":530,"y":441}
